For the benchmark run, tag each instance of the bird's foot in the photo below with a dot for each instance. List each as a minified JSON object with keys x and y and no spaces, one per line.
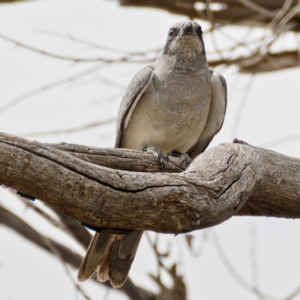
{"x":161,"y":157}
{"x":185,"y":159}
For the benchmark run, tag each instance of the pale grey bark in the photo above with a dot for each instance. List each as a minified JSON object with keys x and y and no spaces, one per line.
{"x":227,"y":180}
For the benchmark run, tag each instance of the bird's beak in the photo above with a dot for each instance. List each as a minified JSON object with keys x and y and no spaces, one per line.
{"x":187,"y":29}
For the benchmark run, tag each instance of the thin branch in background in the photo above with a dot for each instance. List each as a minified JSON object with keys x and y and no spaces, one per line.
{"x":233,"y":272}
{"x":202,"y":244}
{"x":289,"y":15}
{"x":180,"y":259}
{"x":96,"y":45}
{"x":253,"y":257}
{"x":201,"y":238}
{"x":67,"y":271}
{"x":258,"y":9}
{"x":178,"y":290}
{"x":297,"y":38}
{"x":107,"y":98}
{"x":241,"y":42}
{"x":209,"y":14}
{"x":278,"y":24}
{"x":214,"y":41}
{"x":154,"y":247}
{"x":110,"y":82}
{"x":242,"y":104}
{"x":75,"y":229}
{"x":49,"y":86}
{"x":41,"y":212}
{"x":94,"y":79}
{"x":13,"y":222}
{"x":282,"y":29}
{"x":106,"y":294}
{"x":71,"y":130}
{"x":10,"y":220}
{"x":284,"y":9}
{"x":213,"y":30}
{"x":122,"y":59}
{"x":263,"y":47}
{"x":67,"y":224}
{"x":286,"y":139}
{"x":293,"y":294}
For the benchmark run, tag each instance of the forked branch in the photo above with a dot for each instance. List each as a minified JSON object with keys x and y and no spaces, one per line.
{"x":117,"y":188}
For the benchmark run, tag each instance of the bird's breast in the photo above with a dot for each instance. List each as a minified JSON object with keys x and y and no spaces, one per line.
{"x":170,"y":115}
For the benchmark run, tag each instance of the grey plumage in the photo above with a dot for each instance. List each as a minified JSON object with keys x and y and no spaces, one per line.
{"x":176,"y":104}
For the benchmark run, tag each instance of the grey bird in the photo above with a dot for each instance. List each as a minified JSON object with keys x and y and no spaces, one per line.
{"x":177,"y":104}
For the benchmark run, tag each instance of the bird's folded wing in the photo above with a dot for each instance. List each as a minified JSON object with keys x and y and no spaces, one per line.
{"x":216,"y":114}
{"x":135,"y":90}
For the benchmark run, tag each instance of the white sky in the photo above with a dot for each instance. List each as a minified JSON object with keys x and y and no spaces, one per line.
{"x":270,"y":112}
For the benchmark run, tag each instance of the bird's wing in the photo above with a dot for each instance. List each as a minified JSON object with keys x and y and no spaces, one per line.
{"x":135,"y":90}
{"x":216,"y":114}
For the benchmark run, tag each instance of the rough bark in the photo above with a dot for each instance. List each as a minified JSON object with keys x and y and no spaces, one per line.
{"x":227,"y":180}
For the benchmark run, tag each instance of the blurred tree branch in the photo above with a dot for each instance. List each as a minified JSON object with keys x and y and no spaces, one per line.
{"x":234,"y":12}
{"x":280,"y":16}
{"x":65,"y":254}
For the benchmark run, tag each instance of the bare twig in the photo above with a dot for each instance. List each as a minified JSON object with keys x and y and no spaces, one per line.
{"x":286,"y":139}
{"x":78,"y":232}
{"x":257,"y":8}
{"x":71,"y":130}
{"x":253,"y":258}
{"x":294,"y":294}
{"x":75,"y":59}
{"x":22,"y":228}
{"x":233,"y":272}
{"x":285,"y":8}
{"x":96,"y":45}
{"x":44,"y":88}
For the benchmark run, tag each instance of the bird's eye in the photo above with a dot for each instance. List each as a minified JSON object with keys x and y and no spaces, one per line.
{"x":171,"y":32}
{"x":199,"y":31}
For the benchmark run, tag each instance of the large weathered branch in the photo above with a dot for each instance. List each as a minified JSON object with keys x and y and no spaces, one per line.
{"x":215,"y":187}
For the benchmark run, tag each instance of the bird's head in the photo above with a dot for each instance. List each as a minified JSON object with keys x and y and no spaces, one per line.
{"x":185,"y":41}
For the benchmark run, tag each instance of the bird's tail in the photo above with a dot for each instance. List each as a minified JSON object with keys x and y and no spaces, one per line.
{"x":112,"y":255}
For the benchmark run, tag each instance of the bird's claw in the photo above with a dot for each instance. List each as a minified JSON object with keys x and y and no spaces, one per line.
{"x":161,"y":157}
{"x":185,"y":159}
